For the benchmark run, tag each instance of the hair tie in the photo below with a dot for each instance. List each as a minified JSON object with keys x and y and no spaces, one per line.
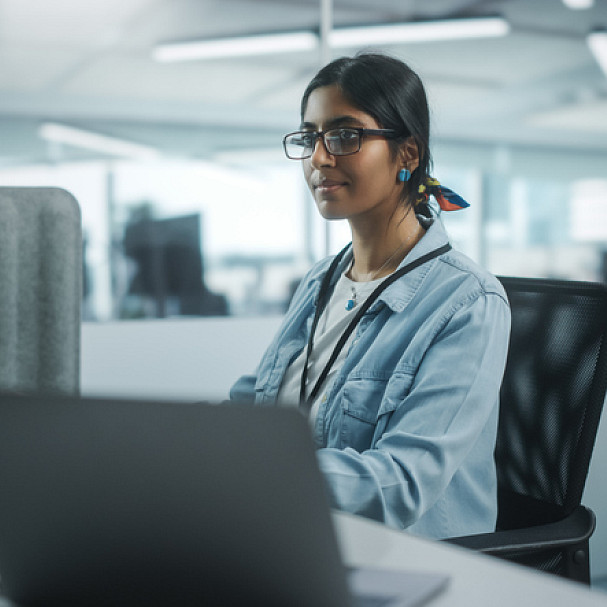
{"x":447,"y":199}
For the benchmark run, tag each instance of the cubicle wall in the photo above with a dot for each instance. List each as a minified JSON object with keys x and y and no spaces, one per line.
{"x":178,"y":358}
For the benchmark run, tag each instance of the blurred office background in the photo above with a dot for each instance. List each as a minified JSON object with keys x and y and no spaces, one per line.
{"x":189,"y":206}
{"x":190,"y":209}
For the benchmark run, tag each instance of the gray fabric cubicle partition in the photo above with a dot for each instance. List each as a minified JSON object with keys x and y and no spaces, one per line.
{"x":40,"y":290}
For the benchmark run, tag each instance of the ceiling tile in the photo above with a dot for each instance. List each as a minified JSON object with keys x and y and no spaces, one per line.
{"x":588,"y":116}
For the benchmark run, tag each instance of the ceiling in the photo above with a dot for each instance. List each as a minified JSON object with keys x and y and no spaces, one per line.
{"x":89,"y":65}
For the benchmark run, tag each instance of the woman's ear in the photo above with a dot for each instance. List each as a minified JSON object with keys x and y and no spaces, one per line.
{"x":409,"y":154}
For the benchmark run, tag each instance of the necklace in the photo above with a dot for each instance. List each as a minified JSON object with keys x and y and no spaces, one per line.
{"x":351,"y":303}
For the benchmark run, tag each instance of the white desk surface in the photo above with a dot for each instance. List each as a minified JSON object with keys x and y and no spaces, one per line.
{"x":476,"y":580}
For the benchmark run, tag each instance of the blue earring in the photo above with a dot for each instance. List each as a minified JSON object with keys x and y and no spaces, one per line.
{"x":404,"y":175}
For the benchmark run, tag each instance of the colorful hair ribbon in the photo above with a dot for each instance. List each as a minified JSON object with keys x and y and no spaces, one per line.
{"x":447,"y":199}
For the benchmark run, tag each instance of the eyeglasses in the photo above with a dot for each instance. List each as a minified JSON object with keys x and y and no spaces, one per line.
{"x":338,"y":142}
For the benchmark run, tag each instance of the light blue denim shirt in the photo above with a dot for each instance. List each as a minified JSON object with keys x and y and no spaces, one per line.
{"x":408,"y":431}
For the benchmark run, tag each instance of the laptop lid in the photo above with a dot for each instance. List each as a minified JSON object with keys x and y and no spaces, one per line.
{"x":122,"y":502}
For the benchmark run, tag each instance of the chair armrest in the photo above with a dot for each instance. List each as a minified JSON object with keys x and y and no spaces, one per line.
{"x":573,"y":529}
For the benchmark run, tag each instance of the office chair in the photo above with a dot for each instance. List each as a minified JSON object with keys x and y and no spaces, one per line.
{"x":551,"y":400}
{"x":40,"y":290}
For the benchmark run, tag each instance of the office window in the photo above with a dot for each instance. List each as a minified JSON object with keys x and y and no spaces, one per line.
{"x":200,"y":238}
{"x":203,"y":239}
{"x":181,"y":237}
{"x":548,"y":227}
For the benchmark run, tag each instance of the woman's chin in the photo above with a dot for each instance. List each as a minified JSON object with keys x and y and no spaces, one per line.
{"x":330,"y":211}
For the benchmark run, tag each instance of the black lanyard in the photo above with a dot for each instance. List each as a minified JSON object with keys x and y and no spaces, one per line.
{"x":306,"y":403}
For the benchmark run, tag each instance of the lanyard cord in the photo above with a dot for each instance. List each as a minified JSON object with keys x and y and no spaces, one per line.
{"x":306,"y":403}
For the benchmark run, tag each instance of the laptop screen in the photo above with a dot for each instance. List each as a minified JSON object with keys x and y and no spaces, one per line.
{"x":123,"y":502}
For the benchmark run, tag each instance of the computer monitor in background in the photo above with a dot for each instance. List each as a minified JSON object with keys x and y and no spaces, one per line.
{"x":169,"y":266}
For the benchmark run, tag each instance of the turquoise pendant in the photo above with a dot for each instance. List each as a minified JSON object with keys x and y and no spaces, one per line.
{"x":352,"y":301}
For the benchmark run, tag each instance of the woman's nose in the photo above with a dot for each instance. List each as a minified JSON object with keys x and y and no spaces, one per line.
{"x":320,"y":156}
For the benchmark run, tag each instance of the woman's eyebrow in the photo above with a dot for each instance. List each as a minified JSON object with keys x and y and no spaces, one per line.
{"x":333,"y":122}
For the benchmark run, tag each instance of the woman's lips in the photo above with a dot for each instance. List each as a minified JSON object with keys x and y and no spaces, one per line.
{"x":328,"y":186}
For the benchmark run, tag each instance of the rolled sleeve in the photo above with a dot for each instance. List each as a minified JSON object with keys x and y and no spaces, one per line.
{"x":243,"y":391}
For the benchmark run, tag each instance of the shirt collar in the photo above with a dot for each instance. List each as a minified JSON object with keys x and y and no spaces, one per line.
{"x":398,"y":295}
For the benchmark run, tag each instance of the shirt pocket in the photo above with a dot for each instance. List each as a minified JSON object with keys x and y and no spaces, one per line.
{"x":362,"y":407}
{"x":367,"y":405}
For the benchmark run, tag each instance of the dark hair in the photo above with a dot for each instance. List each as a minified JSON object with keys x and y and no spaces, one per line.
{"x":393,"y":94}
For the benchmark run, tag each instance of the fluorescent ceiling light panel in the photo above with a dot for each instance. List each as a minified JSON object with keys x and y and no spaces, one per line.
{"x":597,"y":41}
{"x":60,"y":133}
{"x":578,"y":5}
{"x":419,"y":31}
{"x":236,"y":47}
{"x":371,"y":35}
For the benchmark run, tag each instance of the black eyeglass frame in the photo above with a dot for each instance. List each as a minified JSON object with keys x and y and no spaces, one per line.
{"x":388,"y":133}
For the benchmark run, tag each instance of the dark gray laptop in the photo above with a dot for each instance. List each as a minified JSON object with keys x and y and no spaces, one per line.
{"x":118,"y":502}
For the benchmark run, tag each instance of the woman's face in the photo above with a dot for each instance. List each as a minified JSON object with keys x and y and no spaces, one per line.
{"x":359,"y":186}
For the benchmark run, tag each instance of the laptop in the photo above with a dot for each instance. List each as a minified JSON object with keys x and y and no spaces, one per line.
{"x":123,"y":502}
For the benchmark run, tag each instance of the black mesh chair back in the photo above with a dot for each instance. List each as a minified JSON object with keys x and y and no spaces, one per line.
{"x":551,"y":398}
{"x":550,"y":405}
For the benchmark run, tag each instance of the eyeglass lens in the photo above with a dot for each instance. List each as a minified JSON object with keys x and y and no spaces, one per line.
{"x":337,"y":141}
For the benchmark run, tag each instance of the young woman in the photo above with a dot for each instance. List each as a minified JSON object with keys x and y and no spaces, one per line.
{"x":395,"y":347}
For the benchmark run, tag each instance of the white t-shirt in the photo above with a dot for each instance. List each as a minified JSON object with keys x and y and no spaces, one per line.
{"x":332,"y":323}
